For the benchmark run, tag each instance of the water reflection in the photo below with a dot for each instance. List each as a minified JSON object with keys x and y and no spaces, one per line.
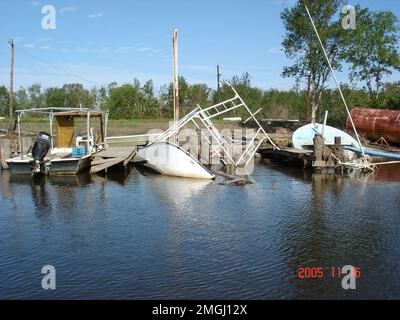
{"x":177,"y":191}
{"x":198,"y":239}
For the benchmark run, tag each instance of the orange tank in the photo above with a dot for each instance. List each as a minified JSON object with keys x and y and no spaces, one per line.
{"x":376,"y":123}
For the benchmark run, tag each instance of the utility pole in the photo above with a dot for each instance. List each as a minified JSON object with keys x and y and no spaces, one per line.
{"x":11,"y":43}
{"x":175,"y":84}
{"x":175,"y":77}
{"x":218,"y":79}
{"x":218,"y":83}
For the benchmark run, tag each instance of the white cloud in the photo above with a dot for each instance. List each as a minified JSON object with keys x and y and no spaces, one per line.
{"x":46,"y":47}
{"x":35,"y":3}
{"x":143,"y":49}
{"x":123,"y":49}
{"x":68,"y":9}
{"x":29,"y":45}
{"x":96,"y":15}
{"x":82,"y":49}
{"x":66,"y":50}
{"x":43,"y":39}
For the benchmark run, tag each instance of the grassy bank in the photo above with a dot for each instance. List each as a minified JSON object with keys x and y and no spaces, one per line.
{"x":116,"y":127}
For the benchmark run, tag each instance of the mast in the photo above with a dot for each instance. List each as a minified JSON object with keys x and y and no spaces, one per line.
{"x":175,"y":77}
{"x":176,"y":82}
{"x":11,"y":43}
{"x":336,"y":81}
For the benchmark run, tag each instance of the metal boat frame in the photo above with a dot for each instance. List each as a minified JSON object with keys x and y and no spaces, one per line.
{"x":218,"y":143}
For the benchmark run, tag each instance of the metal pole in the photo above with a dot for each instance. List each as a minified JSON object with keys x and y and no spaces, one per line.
{"x":218,"y":79}
{"x":19,"y":135}
{"x":11,"y":43}
{"x":218,"y":83}
{"x":176,"y":81}
{"x":176,"y":77}
{"x":88,"y":132}
{"x":323,"y":127}
{"x":337,"y":82}
{"x":105,"y":128}
{"x":51,"y":117}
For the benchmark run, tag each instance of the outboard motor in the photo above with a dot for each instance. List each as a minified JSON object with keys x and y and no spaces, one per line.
{"x":39,"y":151}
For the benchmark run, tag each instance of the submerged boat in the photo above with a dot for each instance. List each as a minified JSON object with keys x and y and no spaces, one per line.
{"x":169,"y":159}
{"x":69,"y":153}
{"x":303,"y":137}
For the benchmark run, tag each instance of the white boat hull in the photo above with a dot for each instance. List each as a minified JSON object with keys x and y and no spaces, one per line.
{"x":169,"y":159}
{"x":303,"y":137}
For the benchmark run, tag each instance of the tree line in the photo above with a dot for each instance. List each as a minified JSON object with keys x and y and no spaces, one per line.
{"x":137,"y":101}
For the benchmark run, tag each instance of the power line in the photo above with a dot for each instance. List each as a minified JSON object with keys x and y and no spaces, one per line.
{"x":56,"y":67}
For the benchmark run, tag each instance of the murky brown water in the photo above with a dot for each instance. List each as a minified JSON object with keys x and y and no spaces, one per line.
{"x":141,"y":237}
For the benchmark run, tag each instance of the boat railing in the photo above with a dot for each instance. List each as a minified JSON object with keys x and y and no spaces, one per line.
{"x":220,"y":146}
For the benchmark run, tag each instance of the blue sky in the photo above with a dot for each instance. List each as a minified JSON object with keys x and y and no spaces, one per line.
{"x":104,"y":41}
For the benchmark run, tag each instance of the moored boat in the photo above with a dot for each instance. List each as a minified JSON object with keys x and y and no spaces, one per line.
{"x":69,"y":153}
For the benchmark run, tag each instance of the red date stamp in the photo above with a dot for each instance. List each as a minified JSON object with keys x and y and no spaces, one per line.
{"x":347,"y":275}
{"x":333,"y":272}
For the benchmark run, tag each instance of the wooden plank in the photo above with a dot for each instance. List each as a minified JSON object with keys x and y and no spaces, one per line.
{"x":116,"y":152}
{"x":129,"y":158}
{"x":108,"y":164}
{"x":100,"y":161}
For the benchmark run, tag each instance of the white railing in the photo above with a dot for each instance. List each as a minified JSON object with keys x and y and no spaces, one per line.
{"x":219,"y":144}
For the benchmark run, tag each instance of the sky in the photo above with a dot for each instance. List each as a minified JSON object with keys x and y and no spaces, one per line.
{"x":96,"y":42}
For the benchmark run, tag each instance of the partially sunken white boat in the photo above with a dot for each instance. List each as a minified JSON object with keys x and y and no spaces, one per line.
{"x":169,"y":159}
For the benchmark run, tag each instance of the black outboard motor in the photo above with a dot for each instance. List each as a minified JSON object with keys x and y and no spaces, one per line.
{"x":39,"y":151}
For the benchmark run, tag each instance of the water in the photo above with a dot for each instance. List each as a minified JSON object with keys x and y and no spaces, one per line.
{"x":149,"y":237}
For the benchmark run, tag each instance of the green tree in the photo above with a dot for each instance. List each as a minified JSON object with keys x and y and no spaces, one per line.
{"x":56,"y":98}
{"x":77,"y":96}
{"x":252,"y":96}
{"x":392,"y":94}
{"x":126,"y":102}
{"x":373,"y":50}
{"x":4,"y":100}
{"x":151,"y":103}
{"x":184,"y":98}
{"x":21,"y":99}
{"x":102,"y":97}
{"x":36,"y":96}
{"x":199,"y":94}
{"x":302,"y":46}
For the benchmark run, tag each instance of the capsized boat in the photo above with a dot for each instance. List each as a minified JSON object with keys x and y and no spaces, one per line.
{"x":303,"y":137}
{"x":169,"y":159}
{"x":70,"y":154}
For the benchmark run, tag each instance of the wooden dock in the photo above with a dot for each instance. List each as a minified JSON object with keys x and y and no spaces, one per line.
{"x":135,"y":140}
{"x":290,"y":155}
{"x":115,"y":156}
